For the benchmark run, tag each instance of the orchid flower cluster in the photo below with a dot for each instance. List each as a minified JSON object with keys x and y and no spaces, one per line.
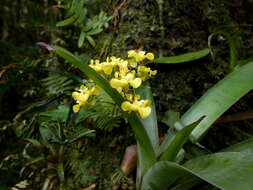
{"x":124,"y":75}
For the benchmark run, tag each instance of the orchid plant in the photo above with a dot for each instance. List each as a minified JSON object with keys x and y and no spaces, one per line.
{"x":160,"y":166}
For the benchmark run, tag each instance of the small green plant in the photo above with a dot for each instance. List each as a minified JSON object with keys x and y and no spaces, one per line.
{"x":52,"y":154}
{"x":78,"y":17}
{"x":159,"y":165}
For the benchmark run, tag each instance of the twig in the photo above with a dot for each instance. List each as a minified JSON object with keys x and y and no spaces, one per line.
{"x":236,"y":117}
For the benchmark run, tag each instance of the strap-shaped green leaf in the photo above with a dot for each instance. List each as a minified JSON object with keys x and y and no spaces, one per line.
{"x":218,"y":99}
{"x":187,"y":57}
{"x":178,"y":141}
{"x":149,"y":123}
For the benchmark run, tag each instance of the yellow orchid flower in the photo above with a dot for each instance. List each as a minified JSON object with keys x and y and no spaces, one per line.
{"x":145,"y":72}
{"x":76,"y":108}
{"x":107,"y":68}
{"x":130,"y":97}
{"x":95,"y":90}
{"x":133,"y":97}
{"x":154,"y":72}
{"x":150,"y":56}
{"x":139,"y":56}
{"x":131,"y":53}
{"x":82,"y":97}
{"x":136,"y":83}
{"x":144,"y":112}
{"x":127,"y":106}
{"x":95,"y":64}
{"x":124,"y":76}
{"x":116,"y":83}
{"x":141,"y":107}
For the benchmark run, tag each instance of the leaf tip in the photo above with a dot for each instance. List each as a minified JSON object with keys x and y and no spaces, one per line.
{"x":45,"y":45}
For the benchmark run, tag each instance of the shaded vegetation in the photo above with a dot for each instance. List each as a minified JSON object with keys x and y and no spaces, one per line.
{"x":44,"y":142}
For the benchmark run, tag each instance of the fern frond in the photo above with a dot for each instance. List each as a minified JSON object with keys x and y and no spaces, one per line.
{"x":56,"y":84}
{"x":105,"y":114}
{"x":107,"y":123}
{"x":109,"y":114}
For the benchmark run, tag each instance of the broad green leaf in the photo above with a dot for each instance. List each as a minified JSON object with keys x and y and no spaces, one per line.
{"x":163,"y":174}
{"x":246,"y":146}
{"x":194,"y":150}
{"x":178,"y":142}
{"x":243,"y":62}
{"x":187,"y":57}
{"x":228,"y":170}
{"x":139,"y":131}
{"x":187,"y":184}
{"x":218,"y":99}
